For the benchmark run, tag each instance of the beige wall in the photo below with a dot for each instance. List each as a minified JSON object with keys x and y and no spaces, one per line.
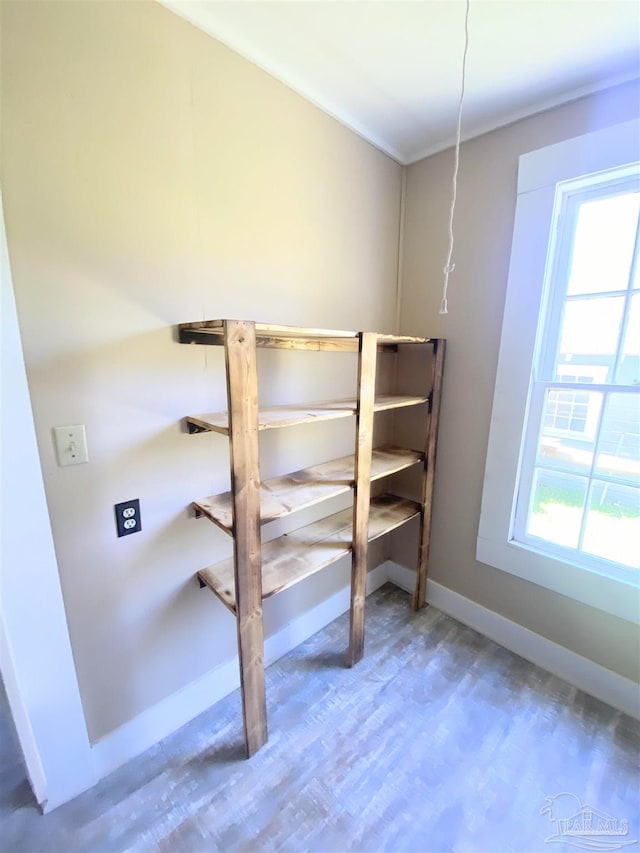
{"x":483,"y":228}
{"x":151,"y":176}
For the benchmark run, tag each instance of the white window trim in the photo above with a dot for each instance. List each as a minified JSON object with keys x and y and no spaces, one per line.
{"x":538,"y":173}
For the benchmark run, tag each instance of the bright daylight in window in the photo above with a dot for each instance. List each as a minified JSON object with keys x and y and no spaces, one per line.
{"x":578,"y":493}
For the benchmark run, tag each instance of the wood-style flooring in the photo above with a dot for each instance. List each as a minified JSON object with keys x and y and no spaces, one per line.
{"x":438,"y":740}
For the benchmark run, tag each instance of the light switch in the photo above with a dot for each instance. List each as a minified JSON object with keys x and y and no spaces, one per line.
{"x":71,"y":444}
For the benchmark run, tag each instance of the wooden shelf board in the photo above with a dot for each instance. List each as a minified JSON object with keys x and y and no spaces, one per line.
{"x":397,"y":401}
{"x":283,"y":495}
{"x":274,"y":417}
{"x":394,"y":340}
{"x":301,"y":553}
{"x":211,"y":332}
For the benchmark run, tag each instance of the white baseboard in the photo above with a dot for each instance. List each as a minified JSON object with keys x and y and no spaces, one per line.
{"x":592,"y":678}
{"x":164,"y":718}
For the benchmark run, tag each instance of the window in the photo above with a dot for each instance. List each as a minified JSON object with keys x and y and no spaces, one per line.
{"x":561,"y":497}
{"x":579,"y":487}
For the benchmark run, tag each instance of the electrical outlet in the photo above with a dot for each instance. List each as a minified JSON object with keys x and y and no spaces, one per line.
{"x":128,"y":517}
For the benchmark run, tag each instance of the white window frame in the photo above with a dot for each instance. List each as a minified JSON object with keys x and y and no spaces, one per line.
{"x":539,"y":172}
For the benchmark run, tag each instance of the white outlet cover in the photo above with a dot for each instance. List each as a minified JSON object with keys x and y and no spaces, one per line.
{"x":71,"y":445}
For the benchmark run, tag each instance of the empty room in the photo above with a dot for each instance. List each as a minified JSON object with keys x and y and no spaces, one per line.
{"x":320,"y":425}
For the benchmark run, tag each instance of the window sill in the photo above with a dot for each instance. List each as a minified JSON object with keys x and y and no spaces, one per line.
{"x":619,"y":597}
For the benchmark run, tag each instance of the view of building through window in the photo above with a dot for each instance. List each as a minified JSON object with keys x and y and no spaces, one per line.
{"x":579,"y":487}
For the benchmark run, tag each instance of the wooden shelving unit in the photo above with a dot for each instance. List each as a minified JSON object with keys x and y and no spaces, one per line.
{"x":258,"y":571}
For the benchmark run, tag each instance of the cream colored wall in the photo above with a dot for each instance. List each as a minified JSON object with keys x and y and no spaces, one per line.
{"x":151,"y":176}
{"x":483,"y":229}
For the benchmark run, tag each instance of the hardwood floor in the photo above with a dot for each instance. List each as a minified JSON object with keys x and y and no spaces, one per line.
{"x":438,"y":740}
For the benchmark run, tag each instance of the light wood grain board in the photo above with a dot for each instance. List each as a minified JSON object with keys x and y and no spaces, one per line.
{"x":296,"y":555}
{"x":283,"y":495}
{"x":210,"y":333}
{"x":273,"y":417}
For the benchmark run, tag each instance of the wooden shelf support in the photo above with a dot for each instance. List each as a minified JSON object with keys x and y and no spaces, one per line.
{"x":242,"y":395}
{"x":418,"y":599}
{"x":367,"y":356}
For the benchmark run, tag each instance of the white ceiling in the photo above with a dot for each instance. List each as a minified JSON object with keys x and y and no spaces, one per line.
{"x":391,"y":69}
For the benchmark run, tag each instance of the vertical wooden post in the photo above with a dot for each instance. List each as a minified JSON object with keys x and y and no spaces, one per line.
{"x":428,"y":476}
{"x":242,"y":396}
{"x":367,"y":354}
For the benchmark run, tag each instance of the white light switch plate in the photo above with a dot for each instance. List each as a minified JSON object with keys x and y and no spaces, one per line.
{"x":71,"y":445}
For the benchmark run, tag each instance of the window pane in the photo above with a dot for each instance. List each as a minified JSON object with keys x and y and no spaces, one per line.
{"x":619,"y":443}
{"x":589,"y":335}
{"x":612,"y":529}
{"x":603,"y":244}
{"x":629,"y":367}
{"x":556,"y":507}
{"x":569,"y":424}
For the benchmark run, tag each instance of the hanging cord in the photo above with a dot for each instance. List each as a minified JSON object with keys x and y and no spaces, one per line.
{"x":449,"y":267}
